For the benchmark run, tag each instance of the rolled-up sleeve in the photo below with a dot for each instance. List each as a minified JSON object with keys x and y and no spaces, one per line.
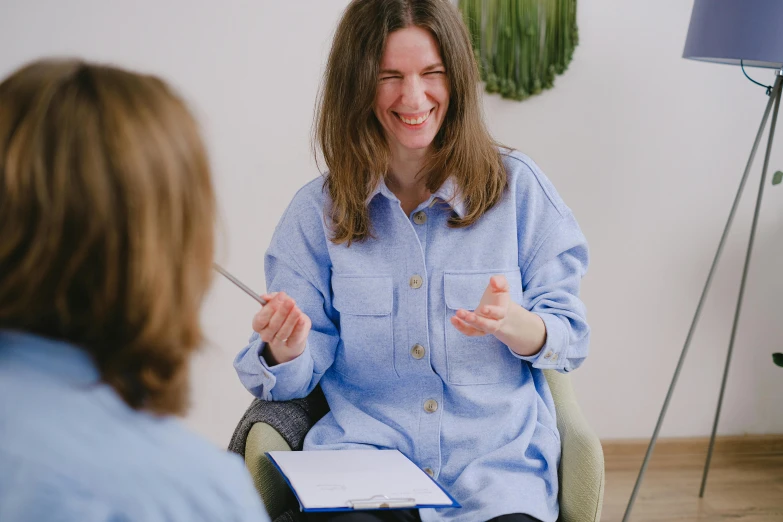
{"x":551,"y":280}
{"x":286,"y":379}
{"x":295,"y":263}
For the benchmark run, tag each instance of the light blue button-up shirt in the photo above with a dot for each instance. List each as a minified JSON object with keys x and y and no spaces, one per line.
{"x":72,"y":450}
{"x":477,"y":415}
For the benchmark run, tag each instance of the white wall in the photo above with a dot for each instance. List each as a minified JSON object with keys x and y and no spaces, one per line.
{"x":647,"y":148}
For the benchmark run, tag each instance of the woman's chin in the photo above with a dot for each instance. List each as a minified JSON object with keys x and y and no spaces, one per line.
{"x":416,"y":144}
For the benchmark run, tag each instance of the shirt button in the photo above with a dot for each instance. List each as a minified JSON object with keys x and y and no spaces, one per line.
{"x":420,"y":217}
{"x":431,"y":406}
{"x":429,"y":472}
{"x":418,"y":351}
{"x":547,"y":355}
{"x":416,"y":281}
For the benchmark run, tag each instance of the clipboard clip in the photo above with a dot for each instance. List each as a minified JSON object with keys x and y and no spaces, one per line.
{"x":382,"y":502}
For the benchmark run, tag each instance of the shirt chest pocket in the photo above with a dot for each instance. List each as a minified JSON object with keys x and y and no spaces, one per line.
{"x":477,"y":360}
{"x":366,"y":351}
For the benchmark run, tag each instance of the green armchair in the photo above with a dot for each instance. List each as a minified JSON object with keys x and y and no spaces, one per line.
{"x":581,"y":464}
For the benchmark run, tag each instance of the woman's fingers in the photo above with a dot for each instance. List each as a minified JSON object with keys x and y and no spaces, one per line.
{"x":492,"y":312}
{"x":496,"y":294}
{"x":300,"y":332}
{"x":261,"y":319}
{"x":283,"y":307}
{"x":464,"y":327}
{"x":482,"y":324}
{"x":276,"y":310}
{"x":287,"y":328}
{"x":283,"y":327}
{"x":499,"y":284}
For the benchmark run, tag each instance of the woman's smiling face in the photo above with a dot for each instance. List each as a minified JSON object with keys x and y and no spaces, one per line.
{"x":412,"y":95}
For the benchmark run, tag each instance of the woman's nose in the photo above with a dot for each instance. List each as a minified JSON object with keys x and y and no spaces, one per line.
{"x":413,"y":94}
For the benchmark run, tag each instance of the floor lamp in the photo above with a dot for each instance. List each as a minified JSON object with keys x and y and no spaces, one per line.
{"x":744,"y":33}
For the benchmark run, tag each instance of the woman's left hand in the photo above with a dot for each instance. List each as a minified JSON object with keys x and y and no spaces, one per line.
{"x":496,"y":314}
{"x":491,"y":312}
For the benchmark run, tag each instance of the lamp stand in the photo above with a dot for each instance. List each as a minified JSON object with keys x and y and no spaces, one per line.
{"x":774,"y":100}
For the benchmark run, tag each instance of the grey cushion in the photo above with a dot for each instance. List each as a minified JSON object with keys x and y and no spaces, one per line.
{"x":291,"y":419}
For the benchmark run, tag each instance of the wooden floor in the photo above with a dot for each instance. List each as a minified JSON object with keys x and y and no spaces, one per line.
{"x":745,"y":482}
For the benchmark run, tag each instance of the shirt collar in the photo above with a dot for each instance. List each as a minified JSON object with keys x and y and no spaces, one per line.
{"x":448,"y":192}
{"x":58,"y":358}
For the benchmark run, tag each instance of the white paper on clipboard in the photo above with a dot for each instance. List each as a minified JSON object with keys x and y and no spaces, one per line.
{"x":331,"y":480}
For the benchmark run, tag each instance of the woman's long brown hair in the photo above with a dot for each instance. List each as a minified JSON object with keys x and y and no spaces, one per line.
{"x":352,"y":140}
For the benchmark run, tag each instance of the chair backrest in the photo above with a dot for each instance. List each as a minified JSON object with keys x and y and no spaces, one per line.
{"x":582,"y":458}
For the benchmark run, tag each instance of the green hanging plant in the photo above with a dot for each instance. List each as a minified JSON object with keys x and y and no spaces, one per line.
{"x":520,"y":45}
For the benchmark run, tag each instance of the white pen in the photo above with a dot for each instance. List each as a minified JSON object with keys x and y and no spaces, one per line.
{"x":239,"y":283}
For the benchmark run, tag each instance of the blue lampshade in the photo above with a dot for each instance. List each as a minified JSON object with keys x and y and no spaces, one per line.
{"x":727,"y":31}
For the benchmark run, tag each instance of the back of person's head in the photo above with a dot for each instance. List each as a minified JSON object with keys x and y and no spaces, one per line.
{"x":106,"y":222}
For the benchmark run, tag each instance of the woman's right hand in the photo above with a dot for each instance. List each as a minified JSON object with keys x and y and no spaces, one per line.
{"x":283,"y":327}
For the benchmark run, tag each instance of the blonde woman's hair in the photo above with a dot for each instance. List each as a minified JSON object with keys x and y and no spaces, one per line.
{"x":106,"y":222}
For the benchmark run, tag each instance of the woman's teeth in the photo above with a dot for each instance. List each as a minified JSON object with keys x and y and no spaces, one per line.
{"x":414,"y":121}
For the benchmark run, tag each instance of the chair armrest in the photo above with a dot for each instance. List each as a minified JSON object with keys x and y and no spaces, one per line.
{"x":582,"y":458}
{"x":275,"y":426}
{"x":274,"y":491}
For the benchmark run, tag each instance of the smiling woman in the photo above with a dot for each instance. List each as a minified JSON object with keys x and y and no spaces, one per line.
{"x":399,"y":277}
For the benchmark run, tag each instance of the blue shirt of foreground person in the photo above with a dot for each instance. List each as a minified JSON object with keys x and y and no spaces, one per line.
{"x":72,"y":450}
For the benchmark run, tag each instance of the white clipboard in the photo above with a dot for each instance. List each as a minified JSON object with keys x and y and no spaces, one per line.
{"x":346,"y":480}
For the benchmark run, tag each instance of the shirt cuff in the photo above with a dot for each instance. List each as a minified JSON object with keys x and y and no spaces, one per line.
{"x":262,"y":380}
{"x":551,"y":356}
{"x":286,"y":380}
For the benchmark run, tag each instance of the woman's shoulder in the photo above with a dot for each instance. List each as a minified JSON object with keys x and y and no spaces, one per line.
{"x":308,"y":203}
{"x":313,"y":192}
{"x":528,"y":181}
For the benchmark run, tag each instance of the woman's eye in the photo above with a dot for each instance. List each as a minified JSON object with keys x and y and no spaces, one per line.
{"x":383,"y":78}
{"x":435,"y":72}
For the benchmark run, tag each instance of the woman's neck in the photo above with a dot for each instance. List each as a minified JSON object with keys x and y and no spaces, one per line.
{"x":403,"y":178}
